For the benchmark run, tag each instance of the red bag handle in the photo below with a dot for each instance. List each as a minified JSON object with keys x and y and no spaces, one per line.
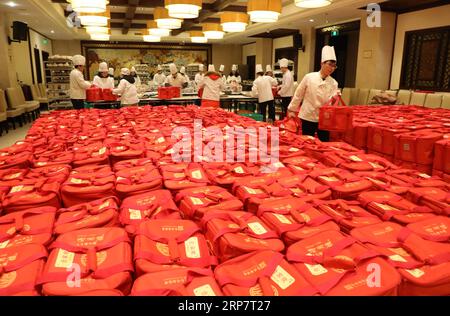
{"x":336,"y":101}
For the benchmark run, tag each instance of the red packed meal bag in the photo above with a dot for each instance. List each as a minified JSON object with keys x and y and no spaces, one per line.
{"x":261,"y":273}
{"x":101,"y":256}
{"x":157,"y":204}
{"x":167,"y":244}
{"x":21,"y":267}
{"x":95,"y":214}
{"x":26,"y":227}
{"x":136,"y":180}
{"x":177,"y":282}
{"x":337,"y":265}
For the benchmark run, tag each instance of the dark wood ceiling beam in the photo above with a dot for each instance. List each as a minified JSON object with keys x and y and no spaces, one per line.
{"x":217,"y":6}
{"x":129,"y":15}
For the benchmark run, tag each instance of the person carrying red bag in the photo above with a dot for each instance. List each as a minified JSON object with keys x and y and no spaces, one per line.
{"x":315,"y":90}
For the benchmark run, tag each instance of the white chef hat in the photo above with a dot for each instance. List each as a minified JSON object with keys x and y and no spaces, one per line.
{"x":173,"y":69}
{"x":211,"y":68}
{"x":268,"y":68}
{"x":259,"y":68}
{"x":183,"y":70}
{"x":159,"y":68}
{"x":201,"y":67}
{"x":328,"y":53}
{"x":125,"y":72}
{"x":79,"y":60}
{"x":222,"y":68}
{"x":234,"y":68}
{"x":103,"y":67}
{"x":111,"y":71}
{"x":133,"y":69}
{"x":284,"y":63}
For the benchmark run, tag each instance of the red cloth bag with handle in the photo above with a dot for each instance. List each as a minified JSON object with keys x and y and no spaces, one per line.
{"x":335,"y":116}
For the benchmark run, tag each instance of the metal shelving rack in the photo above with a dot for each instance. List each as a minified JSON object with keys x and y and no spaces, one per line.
{"x":58,"y":82}
{"x":143,"y":71}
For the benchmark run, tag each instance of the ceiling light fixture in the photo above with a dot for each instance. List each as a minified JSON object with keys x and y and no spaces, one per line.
{"x":153,"y":29}
{"x":11,"y":4}
{"x":183,"y":9}
{"x":97,"y":29}
{"x":234,"y":22}
{"x":150,"y":38}
{"x":164,"y":21}
{"x":213,"y":31}
{"x":198,"y":37}
{"x":100,"y":37}
{"x":309,"y":4}
{"x":95,"y":19}
{"x":89,"y":6}
{"x":264,"y":11}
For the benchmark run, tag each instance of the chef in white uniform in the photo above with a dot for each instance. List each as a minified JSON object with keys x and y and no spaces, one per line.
{"x":134,"y":74}
{"x":183,"y":72}
{"x":221,"y":73}
{"x":200,"y":75}
{"x":212,"y":85}
{"x":286,"y":89}
{"x":175,"y":79}
{"x":315,"y":90}
{"x":102,"y":79}
{"x":262,"y":88}
{"x":234,"y":75}
{"x":159,"y":78}
{"x":78,"y":85}
{"x":127,"y":89}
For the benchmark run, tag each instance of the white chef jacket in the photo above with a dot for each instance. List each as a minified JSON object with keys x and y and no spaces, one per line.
{"x":287,"y":85}
{"x":231,"y":78}
{"x":314,"y":92}
{"x":199,"y":78}
{"x":159,"y":79}
{"x":179,"y":81}
{"x":128,"y":92}
{"x":211,"y":88}
{"x":78,"y":85}
{"x":137,"y":81}
{"x":104,"y":83}
{"x":262,"y":87}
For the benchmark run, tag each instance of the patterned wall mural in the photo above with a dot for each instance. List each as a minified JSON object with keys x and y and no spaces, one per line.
{"x":127,"y":55}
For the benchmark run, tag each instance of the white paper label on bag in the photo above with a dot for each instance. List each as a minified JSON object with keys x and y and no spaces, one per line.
{"x":278,"y":165}
{"x":192,"y":248}
{"x":121,"y":178}
{"x":355,"y":158}
{"x":83,"y":137}
{"x":197,"y":174}
{"x":385,"y":207}
{"x":102,"y":151}
{"x":397,"y":258}
{"x":64,"y":259}
{"x":41,"y":164}
{"x":170,"y":151}
{"x":424,"y":175}
{"x":13,"y":176}
{"x":135,"y":214}
{"x":329,"y":179}
{"x":316,"y":269}
{"x":293,"y":149}
{"x":375,"y":165}
{"x":105,"y":204}
{"x":77,"y":181}
{"x":282,"y":278}
{"x":283,"y":219}
{"x":417,"y":273}
{"x":250,"y":190}
{"x":257,"y":228}
{"x":204,"y":290}
{"x":160,"y":140}
{"x":196,"y":201}
{"x":239,"y":170}
{"x":4,"y":244}
{"x":17,"y":188}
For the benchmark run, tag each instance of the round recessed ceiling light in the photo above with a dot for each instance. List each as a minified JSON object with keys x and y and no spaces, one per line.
{"x":11,"y":4}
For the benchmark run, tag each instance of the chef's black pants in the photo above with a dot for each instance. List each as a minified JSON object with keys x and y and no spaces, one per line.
{"x":310,"y":129}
